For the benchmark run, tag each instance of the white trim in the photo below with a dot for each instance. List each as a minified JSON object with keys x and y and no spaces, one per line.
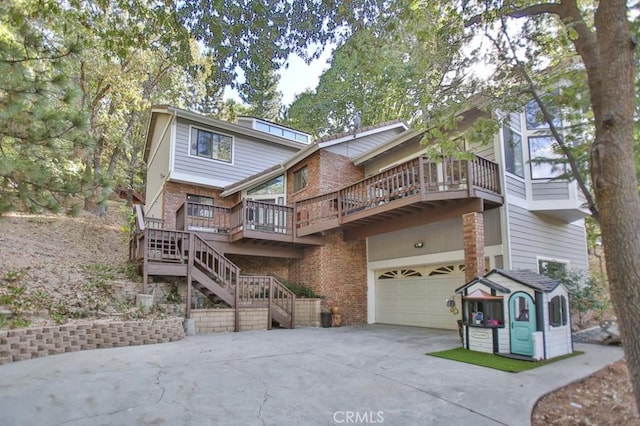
{"x":551,"y":259}
{"x":213,"y":132}
{"x":172,"y":145}
{"x":197,"y":180}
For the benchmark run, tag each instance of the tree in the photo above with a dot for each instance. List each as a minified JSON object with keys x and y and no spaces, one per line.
{"x":605,"y":42}
{"x":406,"y":65}
{"x":260,"y":91}
{"x":42,"y":131}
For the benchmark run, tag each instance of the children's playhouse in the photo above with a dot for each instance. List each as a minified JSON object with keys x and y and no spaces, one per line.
{"x":517,"y":313}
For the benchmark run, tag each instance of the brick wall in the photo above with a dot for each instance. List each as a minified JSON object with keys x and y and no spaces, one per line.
{"x":313,"y":179}
{"x":260,"y":265}
{"x":337,"y":171}
{"x":28,"y":343}
{"x":473,"y":240}
{"x":175,"y":195}
{"x":338,"y":271}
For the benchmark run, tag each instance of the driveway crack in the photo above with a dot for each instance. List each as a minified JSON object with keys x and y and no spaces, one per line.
{"x":265,"y":398}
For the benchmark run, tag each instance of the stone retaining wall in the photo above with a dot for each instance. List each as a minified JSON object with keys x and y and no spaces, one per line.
{"x":27,"y":343}
{"x":222,"y":320}
{"x":307,"y":313}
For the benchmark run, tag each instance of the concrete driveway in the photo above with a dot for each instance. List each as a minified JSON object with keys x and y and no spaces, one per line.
{"x":307,"y":376}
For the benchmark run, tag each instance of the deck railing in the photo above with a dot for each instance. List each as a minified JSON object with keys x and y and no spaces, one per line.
{"x":418,"y":176}
{"x":267,"y":291}
{"x":253,"y":215}
{"x":192,"y":216}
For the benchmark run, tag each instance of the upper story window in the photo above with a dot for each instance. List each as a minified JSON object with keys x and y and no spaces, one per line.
{"x":300,"y":179}
{"x":214,"y":146}
{"x":534,"y":117}
{"x":544,"y":154}
{"x":514,"y":163}
{"x":552,"y":268}
{"x":283,"y":132}
{"x":274,"y":186}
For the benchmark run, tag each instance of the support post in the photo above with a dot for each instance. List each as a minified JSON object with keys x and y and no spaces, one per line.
{"x":293,"y":311}
{"x":473,"y":238}
{"x":270,"y":306}
{"x":236,"y":301}
{"x":191,"y":244}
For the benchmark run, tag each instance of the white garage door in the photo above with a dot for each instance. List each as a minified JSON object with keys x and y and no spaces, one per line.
{"x":417,"y":296}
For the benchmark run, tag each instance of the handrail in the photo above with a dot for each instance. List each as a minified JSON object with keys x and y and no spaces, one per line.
{"x":420,"y":175}
{"x":215,"y":263}
{"x":257,"y":290}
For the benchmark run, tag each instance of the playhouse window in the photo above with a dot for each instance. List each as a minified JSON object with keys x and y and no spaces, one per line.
{"x":483,"y":313}
{"x":558,"y":311}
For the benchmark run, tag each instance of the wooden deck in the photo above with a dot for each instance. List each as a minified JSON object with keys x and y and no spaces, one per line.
{"x":164,"y":252}
{"x":416,"y":192}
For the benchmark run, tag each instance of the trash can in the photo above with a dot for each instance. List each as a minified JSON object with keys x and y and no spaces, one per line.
{"x":325,"y":319}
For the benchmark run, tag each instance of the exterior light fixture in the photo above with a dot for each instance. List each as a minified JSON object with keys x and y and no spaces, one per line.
{"x":418,"y":244}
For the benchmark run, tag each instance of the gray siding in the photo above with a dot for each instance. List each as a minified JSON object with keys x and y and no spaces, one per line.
{"x":537,"y":235}
{"x":158,"y":168}
{"x":250,"y":156}
{"x":437,"y":237}
{"x":485,"y":150}
{"x":515,"y":187}
{"x":550,"y":190}
{"x":357,"y":146}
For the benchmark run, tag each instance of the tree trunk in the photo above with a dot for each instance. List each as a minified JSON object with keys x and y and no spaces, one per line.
{"x":613,"y":173}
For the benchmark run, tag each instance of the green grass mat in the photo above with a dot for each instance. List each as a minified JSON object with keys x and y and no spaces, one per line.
{"x":495,"y":361}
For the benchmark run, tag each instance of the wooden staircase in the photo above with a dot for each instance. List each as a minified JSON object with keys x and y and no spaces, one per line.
{"x":185,"y":254}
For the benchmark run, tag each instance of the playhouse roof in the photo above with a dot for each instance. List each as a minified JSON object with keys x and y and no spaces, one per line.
{"x":492,"y":285}
{"x":529,"y":278}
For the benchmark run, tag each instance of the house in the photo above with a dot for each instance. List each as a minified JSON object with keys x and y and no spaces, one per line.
{"x":364,"y":218}
{"x":517,"y":312}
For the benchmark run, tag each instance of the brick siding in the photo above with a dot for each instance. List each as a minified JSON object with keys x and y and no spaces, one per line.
{"x":338,"y":271}
{"x":27,"y":343}
{"x":473,"y":238}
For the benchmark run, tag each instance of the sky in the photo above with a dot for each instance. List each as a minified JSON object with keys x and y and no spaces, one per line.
{"x":296,"y":78}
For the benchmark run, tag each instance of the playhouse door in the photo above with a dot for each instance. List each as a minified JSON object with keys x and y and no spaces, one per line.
{"x":522,"y":316}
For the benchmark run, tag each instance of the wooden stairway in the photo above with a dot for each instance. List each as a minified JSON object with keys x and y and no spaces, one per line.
{"x":185,"y":254}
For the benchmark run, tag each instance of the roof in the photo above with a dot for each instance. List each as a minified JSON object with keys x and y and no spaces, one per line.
{"x":337,"y":138}
{"x":212,"y":122}
{"x":528,"y":278}
{"x":482,"y":280}
{"x":274,"y":171}
{"x":406,"y":136}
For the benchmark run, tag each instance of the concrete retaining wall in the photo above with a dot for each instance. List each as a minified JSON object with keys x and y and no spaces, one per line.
{"x":27,"y":343}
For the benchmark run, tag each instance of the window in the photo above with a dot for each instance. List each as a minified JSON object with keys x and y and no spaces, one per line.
{"x":199,"y":206}
{"x":551,"y":268}
{"x":544,"y":156}
{"x":534,"y":117}
{"x":513,"y":152}
{"x":211,"y":145}
{"x":300,"y":179}
{"x":274,"y":186}
{"x":481,"y":309}
{"x":558,"y":311}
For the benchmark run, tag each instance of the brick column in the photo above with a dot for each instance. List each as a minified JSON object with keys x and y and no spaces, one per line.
{"x":473,"y":239}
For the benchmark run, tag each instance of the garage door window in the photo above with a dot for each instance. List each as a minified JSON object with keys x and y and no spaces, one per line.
{"x":399,"y":273}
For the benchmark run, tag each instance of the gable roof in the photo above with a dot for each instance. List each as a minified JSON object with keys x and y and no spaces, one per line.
{"x":482,"y":280}
{"x":364,"y":131}
{"x":402,"y":138}
{"x":528,"y":278}
{"x":274,"y":171}
{"x":212,"y":122}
